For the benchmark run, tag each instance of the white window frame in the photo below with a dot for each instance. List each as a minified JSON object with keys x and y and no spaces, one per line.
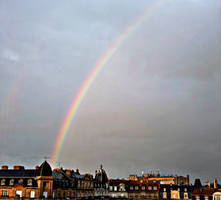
{"x":5,"y":193}
{"x":32,"y":194}
{"x":19,"y":193}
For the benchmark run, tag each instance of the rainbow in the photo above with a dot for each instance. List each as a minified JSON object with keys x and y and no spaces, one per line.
{"x":72,"y":112}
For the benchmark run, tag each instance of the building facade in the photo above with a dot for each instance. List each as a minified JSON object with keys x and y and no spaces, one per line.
{"x":26,"y":183}
{"x":175,"y":191}
{"x":101,"y":184}
{"x":42,"y":183}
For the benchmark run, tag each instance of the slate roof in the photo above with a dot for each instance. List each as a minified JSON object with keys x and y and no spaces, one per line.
{"x":19,"y":173}
{"x":45,"y":169}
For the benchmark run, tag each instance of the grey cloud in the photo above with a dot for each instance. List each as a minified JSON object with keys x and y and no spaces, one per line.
{"x":156,"y":103}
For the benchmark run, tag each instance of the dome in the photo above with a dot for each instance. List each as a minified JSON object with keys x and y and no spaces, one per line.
{"x":101,"y":175}
{"x":45,"y":169}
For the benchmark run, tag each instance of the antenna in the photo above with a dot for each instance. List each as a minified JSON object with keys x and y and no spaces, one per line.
{"x":46,"y":157}
{"x":58,"y":164}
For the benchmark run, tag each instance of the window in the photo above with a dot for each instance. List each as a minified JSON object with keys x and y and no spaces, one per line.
{"x":143,"y":187}
{"x":136,"y":195}
{"x":44,"y":185}
{"x":45,"y":194}
{"x":164,"y":195}
{"x":143,"y":195}
{"x":29,"y":182}
{"x":18,"y":193}
{"x":3,"y":181}
{"x":164,"y":189}
{"x":136,"y":188}
{"x":4,"y":193}
{"x":155,"y":187}
{"x":11,"y":182}
{"x":115,"y":188}
{"x":206,"y":198}
{"x":20,"y":180}
{"x":131,"y":187}
{"x":122,"y":187}
{"x":149,"y":187}
{"x":32,"y":194}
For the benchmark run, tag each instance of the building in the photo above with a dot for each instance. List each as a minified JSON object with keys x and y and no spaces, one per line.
{"x":85,"y":185}
{"x":217,"y":195}
{"x":26,"y":183}
{"x":64,"y":186}
{"x":42,"y":183}
{"x":101,"y":185}
{"x":175,"y":191}
{"x":204,"y":192}
{"x":118,"y":189}
{"x":163,"y":179}
{"x":127,"y":189}
{"x":144,"y":190}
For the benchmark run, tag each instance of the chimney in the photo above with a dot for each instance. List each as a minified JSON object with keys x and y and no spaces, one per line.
{"x":57,"y":170}
{"x":68,"y":172}
{"x":18,"y":167}
{"x":37,"y":167}
{"x":4,"y":167}
{"x":188,"y":179}
{"x":215,"y":183}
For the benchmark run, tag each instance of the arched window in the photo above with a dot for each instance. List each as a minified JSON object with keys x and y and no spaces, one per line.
{"x":11,"y":182}
{"x":3,"y":181}
{"x":29,"y":182}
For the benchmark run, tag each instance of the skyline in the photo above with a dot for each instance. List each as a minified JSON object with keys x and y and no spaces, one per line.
{"x":156,"y":104}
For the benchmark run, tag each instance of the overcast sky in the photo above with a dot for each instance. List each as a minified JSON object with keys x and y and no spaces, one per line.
{"x":156,"y":104}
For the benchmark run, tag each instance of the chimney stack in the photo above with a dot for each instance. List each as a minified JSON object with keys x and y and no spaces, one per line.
{"x":68,"y":172}
{"x":188,"y":179}
{"x":215,"y":183}
{"x":18,"y":167}
{"x":4,"y":167}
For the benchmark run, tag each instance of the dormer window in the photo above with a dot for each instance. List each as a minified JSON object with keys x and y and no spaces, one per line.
{"x":20,"y":180}
{"x":3,"y":181}
{"x":11,"y":182}
{"x":29,"y":182}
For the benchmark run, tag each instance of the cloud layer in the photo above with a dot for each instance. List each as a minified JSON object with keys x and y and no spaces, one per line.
{"x":156,"y":104}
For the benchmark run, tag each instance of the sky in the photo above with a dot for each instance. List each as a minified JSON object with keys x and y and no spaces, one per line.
{"x":155,"y":104}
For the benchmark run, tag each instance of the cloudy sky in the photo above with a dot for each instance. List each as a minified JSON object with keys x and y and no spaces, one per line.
{"x":156,"y":103}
